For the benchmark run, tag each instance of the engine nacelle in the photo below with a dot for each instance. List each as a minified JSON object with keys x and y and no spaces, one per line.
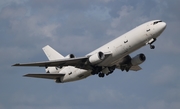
{"x":52,"y":70}
{"x":138,"y":59}
{"x":69,"y":56}
{"x":96,"y":58}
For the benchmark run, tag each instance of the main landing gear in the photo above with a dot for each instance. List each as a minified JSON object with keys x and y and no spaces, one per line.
{"x":151,"y":42}
{"x":101,"y":75}
{"x":103,"y":71}
{"x":125,"y":67}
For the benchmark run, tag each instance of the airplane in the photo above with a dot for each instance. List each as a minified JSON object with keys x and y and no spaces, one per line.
{"x":102,"y":61}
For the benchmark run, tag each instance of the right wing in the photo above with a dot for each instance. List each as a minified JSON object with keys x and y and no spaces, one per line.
{"x":45,"y":76}
{"x":135,"y":68}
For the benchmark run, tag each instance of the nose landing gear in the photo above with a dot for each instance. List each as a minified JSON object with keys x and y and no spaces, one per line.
{"x":151,"y":42}
{"x":152,"y":46}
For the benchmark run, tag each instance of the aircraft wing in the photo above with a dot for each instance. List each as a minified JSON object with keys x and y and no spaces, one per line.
{"x":135,"y":68}
{"x":62,"y":62}
{"x":77,"y":62}
{"x":45,"y":76}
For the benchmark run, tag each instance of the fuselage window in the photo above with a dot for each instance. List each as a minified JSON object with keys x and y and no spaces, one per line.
{"x":148,"y":30}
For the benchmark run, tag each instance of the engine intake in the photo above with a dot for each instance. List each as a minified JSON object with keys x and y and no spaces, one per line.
{"x":69,"y":56}
{"x":96,"y":58}
{"x":138,"y":59}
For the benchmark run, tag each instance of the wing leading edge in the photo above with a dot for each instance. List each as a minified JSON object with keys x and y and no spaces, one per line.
{"x":61,"y":62}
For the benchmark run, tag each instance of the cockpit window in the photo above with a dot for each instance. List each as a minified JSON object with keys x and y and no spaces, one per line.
{"x":157,"y":22}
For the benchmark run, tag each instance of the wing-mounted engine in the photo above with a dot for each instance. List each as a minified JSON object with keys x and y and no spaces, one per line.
{"x":96,"y":58}
{"x":138,"y":59}
{"x":128,"y":62}
{"x":69,"y":56}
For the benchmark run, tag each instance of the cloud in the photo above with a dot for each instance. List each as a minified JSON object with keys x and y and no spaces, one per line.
{"x":126,"y":14}
{"x":167,"y":75}
{"x":108,"y":96}
{"x":1,"y":106}
{"x":161,"y":104}
{"x":12,"y":13}
{"x":171,"y":46}
{"x":166,"y":82}
{"x":79,"y":27}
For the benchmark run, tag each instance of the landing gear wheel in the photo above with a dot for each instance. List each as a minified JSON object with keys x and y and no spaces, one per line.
{"x":127,"y":69}
{"x":101,"y":75}
{"x":152,"y":46}
{"x":122,"y":68}
{"x":151,"y":41}
{"x":93,"y":73}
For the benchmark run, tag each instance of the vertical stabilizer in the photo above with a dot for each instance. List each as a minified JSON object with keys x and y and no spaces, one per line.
{"x":51,"y":53}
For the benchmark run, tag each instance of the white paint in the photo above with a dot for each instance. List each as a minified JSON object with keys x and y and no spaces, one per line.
{"x":116,"y":51}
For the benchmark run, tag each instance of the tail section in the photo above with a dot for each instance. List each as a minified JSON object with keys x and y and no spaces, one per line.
{"x":51,"y":53}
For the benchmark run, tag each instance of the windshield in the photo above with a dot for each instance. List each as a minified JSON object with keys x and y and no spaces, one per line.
{"x":157,"y":22}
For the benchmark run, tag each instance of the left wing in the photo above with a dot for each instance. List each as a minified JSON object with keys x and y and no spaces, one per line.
{"x":61,"y":62}
{"x":77,"y":62}
{"x":45,"y":76}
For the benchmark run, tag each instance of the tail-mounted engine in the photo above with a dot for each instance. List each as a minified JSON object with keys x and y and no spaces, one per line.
{"x":52,"y":70}
{"x":69,"y":56}
{"x":96,"y":58}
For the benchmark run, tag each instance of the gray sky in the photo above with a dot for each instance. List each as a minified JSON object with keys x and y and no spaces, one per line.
{"x":80,"y":26}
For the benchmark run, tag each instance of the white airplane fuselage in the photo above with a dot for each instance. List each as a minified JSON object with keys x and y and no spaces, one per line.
{"x":102,"y":61}
{"x":119,"y":48}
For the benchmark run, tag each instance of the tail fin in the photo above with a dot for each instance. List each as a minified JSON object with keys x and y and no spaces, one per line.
{"x":51,"y":53}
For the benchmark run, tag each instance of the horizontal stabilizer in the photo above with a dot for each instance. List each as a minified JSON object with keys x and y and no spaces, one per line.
{"x":45,"y":76}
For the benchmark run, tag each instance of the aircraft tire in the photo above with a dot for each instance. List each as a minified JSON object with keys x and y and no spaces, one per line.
{"x":152,"y":46}
{"x":101,"y":75}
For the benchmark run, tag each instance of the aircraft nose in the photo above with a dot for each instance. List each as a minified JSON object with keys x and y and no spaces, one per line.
{"x":162,"y":26}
